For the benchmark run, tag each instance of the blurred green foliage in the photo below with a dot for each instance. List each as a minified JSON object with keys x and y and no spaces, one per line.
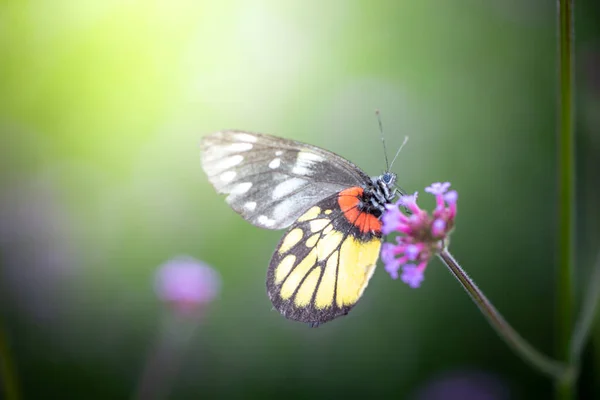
{"x":101,"y":110}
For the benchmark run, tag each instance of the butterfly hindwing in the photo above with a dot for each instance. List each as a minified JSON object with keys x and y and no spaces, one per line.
{"x":325,"y":260}
{"x":271,"y":181}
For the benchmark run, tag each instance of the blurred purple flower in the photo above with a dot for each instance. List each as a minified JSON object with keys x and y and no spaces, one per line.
{"x":422,"y":235}
{"x":187,"y":283}
{"x":463,"y":385}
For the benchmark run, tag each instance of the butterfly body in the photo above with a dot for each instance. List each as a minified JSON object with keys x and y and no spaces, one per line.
{"x":331,"y":208}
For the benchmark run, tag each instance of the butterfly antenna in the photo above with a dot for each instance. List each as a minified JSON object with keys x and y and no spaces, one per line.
{"x":383,"y":140}
{"x":398,"y":152}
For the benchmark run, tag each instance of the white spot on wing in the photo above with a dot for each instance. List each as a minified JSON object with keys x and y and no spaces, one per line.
{"x":309,"y":156}
{"x":286,"y":187}
{"x":278,"y":152}
{"x":240,"y":146}
{"x":241,"y":188}
{"x":229,"y":162}
{"x":275,"y":163}
{"x":282,"y":210}
{"x":250,"y":206}
{"x":299,"y":170}
{"x":245,"y":137}
{"x":266,"y":221}
{"x":304,"y":163}
{"x":228,"y":176}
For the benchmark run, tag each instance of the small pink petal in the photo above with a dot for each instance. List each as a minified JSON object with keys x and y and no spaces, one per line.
{"x":438,"y":227}
{"x":451,"y":197}
{"x":438,"y":188}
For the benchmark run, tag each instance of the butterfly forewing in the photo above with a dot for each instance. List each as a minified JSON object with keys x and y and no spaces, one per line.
{"x":271,"y":181}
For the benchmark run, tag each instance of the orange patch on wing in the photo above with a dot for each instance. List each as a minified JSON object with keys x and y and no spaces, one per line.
{"x":348,"y":201}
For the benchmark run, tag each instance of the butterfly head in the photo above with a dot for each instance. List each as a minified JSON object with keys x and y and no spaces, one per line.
{"x":384,"y":185}
{"x":388,"y":178}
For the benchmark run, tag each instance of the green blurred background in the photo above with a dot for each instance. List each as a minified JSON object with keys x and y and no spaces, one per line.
{"x":103,"y":104}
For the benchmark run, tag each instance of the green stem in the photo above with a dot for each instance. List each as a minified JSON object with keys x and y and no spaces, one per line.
{"x":7,"y":370}
{"x":165,"y":360}
{"x":565,"y":389}
{"x":589,"y":310}
{"x":538,"y":360}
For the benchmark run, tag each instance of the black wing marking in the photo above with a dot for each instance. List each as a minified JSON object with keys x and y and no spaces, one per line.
{"x":271,"y":181}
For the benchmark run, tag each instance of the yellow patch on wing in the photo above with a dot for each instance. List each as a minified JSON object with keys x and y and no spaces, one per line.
{"x":295,"y":277}
{"x":312,"y":241}
{"x":284,"y":268}
{"x":324,"y":298}
{"x":290,"y":240}
{"x":306,"y":291}
{"x":327,"y":212}
{"x":328,"y":244}
{"x":357,"y":264}
{"x":310,"y":214}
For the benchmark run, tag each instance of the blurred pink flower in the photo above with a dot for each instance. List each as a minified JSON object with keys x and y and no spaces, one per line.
{"x":187,"y":283}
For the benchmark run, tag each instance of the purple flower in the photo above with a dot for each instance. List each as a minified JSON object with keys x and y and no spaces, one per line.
{"x":421,"y":235}
{"x":392,"y":218}
{"x":413,"y":275}
{"x":186,"y":283}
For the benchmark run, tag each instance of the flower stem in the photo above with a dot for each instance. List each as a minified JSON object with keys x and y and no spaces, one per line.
{"x":538,"y":360}
{"x":589,"y":310}
{"x":164,"y":361}
{"x":566,"y":193}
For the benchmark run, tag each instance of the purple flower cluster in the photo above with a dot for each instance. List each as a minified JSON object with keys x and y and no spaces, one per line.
{"x":421,"y":235}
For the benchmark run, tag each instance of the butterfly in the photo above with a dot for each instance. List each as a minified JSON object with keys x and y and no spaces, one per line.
{"x":332,"y":211}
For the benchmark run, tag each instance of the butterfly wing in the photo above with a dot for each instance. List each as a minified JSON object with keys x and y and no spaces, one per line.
{"x":271,"y":181}
{"x":325,"y":260}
